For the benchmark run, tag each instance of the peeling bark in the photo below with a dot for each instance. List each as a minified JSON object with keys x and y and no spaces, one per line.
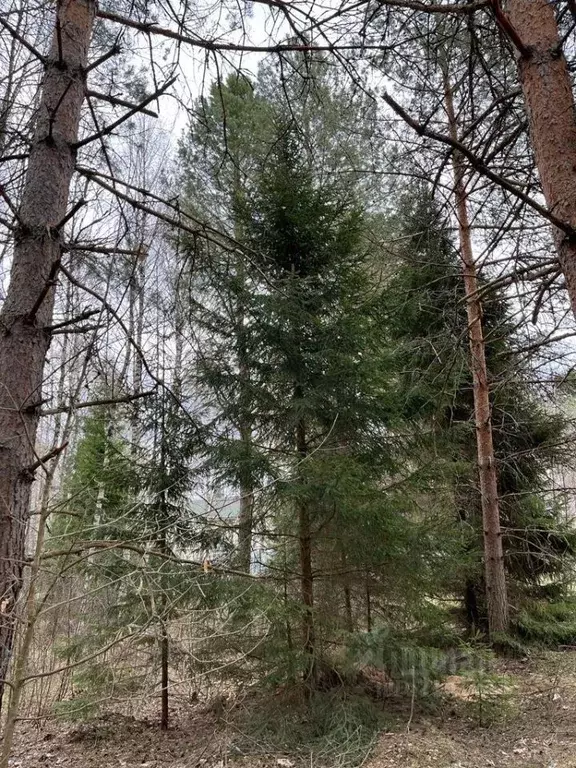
{"x":28,"y":307}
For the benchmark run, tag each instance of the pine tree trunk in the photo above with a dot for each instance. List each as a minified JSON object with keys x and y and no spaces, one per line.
{"x":137,"y":309}
{"x":348,"y":614}
{"x":164,"y":520}
{"x":306,"y":573}
{"x":164,"y":655}
{"x":27,"y":310}
{"x":550,"y":105}
{"x":164,"y":658}
{"x":471,"y":606}
{"x":368,"y":606}
{"x":289,"y":641}
{"x":245,"y":518}
{"x":496,"y":593}
{"x":474,"y":584}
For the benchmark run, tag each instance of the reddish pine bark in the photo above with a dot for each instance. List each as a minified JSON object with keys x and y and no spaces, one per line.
{"x":549,"y":103}
{"x":496,"y":593}
{"x":27,"y":310}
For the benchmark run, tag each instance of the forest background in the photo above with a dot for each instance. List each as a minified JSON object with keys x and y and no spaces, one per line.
{"x":286,"y":353}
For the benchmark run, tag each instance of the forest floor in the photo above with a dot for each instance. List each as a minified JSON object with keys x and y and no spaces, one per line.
{"x":531,"y":723}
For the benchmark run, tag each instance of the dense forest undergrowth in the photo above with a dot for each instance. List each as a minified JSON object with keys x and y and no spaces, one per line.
{"x":516,"y":713}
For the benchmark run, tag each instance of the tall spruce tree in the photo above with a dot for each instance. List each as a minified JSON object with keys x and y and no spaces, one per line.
{"x":310,"y":340}
{"x":225,"y":149}
{"x":427,"y":323}
{"x":317,"y":363}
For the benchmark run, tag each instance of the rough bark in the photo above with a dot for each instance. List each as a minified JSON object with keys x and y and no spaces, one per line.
{"x":164,"y":521}
{"x":137,"y":287}
{"x":474,"y":585}
{"x":496,"y":593}
{"x":285,"y":584}
{"x":306,"y":572}
{"x":471,"y":607}
{"x":27,"y":310}
{"x":368,"y":605}
{"x":164,"y":679}
{"x":164,"y":645}
{"x":348,"y":613}
{"x":549,"y":103}
{"x":245,"y":518}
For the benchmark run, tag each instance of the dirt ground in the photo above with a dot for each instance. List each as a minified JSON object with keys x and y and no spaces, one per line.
{"x":534,"y":728}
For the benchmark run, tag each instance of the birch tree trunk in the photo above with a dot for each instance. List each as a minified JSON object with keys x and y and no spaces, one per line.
{"x":496,"y":594}
{"x":549,"y":103}
{"x":27,"y":310}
